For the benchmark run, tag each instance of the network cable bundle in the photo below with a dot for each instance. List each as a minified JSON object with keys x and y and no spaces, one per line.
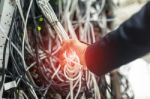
{"x":36,"y":33}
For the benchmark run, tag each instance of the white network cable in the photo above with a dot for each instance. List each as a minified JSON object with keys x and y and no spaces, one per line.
{"x":72,"y":73}
{"x":51,"y":17}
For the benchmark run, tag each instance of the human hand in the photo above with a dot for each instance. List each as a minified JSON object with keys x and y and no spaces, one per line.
{"x":73,"y":45}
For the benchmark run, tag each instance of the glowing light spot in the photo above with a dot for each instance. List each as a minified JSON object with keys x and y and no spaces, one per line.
{"x":39,"y":28}
{"x":41,"y":19}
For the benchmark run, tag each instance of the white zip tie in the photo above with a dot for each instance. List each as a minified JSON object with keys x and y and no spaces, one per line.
{"x":10,"y":85}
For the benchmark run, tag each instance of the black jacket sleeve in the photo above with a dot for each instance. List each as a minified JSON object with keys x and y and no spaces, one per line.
{"x":130,"y":41}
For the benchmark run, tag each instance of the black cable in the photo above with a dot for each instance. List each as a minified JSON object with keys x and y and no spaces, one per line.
{"x":22,"y":72}
{"x":4,"y":54}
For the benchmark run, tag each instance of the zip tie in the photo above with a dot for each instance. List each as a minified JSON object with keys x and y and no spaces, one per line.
{"x":10,"y":85}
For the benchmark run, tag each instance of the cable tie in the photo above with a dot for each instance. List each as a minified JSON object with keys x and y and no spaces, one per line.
{"x":10,"y":85}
